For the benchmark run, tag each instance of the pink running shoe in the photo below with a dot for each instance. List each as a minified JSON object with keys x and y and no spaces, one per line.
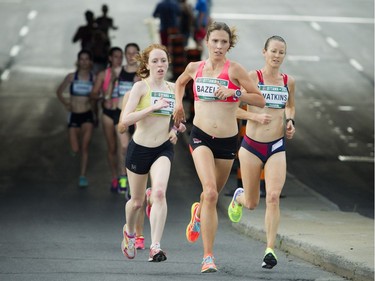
{"x":140,"y":242}
{"x":157,"y":254}
{"x":148,"y":202}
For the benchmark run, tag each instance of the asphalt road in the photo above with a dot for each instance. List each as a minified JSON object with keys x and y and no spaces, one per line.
{"x":52,"y":230}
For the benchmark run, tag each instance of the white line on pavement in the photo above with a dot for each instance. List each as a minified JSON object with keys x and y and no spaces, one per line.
{"x":14,"y":51}
{"x":292,"y":18}
{"x":43,"y":70}
{"x":303,"y":58}
{"x":345,"y":158}
{"x":332,"y":42}
{"x":23,"y":31}
{"x":356,"y":64}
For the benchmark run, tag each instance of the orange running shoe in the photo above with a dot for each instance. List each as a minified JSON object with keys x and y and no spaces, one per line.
{"x":194,"y":227}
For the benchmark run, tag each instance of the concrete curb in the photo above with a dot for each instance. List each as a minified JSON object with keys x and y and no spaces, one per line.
{"x":298,"y":244}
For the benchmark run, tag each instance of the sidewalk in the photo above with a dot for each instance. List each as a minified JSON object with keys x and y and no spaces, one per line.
{"x":313,"y":229}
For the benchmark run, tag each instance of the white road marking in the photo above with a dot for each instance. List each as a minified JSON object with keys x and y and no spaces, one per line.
{"x":345,"y":158}
{"x":345,"y":108}
{"x":14,"y":51}
{"x":356,"y":64}
{"x":303,"y":58}
{"x":316,"y":26}
{"x":44,"y":70}
{"x":32,"y":14}
{"x":5,"y":75}
{"x":292,"y":18}
{"x":332,"y":42}
{"x":24,"y":30}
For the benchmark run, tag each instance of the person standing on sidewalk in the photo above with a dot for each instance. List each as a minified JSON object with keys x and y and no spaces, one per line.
{"x":149,"y":106}
{"x":213,"y":138}
{"x":79,"y":106}
{"x":263,"y":146}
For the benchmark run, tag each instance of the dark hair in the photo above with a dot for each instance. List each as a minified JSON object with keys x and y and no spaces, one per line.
{"x":274,"y":37}
{"x":232,"y":32}
{"x":142,"y":71}
{"x":84,"y":51}
{"x":135,"y":45}
{"x":114,"y":49}
{"x":89,"y":15}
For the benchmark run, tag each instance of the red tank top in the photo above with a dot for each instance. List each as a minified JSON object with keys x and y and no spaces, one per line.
{"x":205,"y":87}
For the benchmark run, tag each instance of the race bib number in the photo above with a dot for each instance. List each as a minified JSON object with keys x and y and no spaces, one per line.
{"x":124,"y":86}
{"x":155,"y":96}
{"x":205,"y":87}
{"x":275,"y":96}
{"x":82,"y":88}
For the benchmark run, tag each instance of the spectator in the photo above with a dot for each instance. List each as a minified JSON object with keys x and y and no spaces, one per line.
{"x":201,"y":21}
{"x":168,"y":12}
{"x":186,"y":20}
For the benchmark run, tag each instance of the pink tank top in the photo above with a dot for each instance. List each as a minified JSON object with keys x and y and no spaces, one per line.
{"x":205,"y":87}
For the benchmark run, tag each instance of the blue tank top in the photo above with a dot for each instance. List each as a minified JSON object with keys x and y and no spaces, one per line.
{"x":81,"y":88}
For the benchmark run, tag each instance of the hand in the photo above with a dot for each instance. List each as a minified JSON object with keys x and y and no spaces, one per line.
{"x":222,"y":92}
{"x":181,"y":128}
{"x":122,"y":128}
{"x":179,"y":115}
{"x":160,"y":103}
{"x":264,"y":118}
{"x":290,"y":130}
{"x":173,"y":137}
{"x":68,"y":106}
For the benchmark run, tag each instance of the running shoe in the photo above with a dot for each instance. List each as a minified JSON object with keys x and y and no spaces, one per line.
{"x":208,"y":264}
{"x":194,"y":227}
{"x":83,"y":182}
{"x":148,"y":202}
{"x":128,"y":244}
{"x":114,"y":185}
{"x":157,"y":254}
{"x":270,"y":259}
{"x":235,"y":209}
{"x":140,"y":242}
{"x":122,"y":184}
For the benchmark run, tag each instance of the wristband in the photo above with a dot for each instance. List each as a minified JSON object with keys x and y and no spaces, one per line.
{"x":290,"y":119}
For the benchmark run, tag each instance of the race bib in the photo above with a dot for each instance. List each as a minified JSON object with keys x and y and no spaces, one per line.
{"x":275,"y":96}
{"x":205,"y":87}
{"x":82,"y":88}
{"x":155,"y":96}
{"x":124,"y":86}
